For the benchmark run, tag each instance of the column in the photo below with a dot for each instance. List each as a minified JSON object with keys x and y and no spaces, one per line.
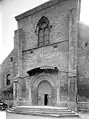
{"x":15,"y":95}
{"x":30,"y":98}
{"x":58,"y":95}
{"x":54,"y":96}
{"x":21,"y":39}
{"x":72,"y":75}
{"x":29,"y":89}
{"x":72,"y":42}
{"x":18,"y":43}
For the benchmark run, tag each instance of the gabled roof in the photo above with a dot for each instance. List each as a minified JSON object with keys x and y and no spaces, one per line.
{"x":38,"y":8}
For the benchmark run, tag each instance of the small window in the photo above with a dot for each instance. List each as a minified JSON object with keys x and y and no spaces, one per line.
{"x":86,"y":44}
{"x":11,"y":59}
{"x":8,"y":79}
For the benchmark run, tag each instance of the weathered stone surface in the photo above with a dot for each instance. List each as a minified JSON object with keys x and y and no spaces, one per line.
{"x":61,"y":54}
{"x":58,"y":17}
{"x":83,"y":64}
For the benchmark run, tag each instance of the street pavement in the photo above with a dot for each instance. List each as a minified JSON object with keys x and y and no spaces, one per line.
{"x":84,"y":115}
{"x":2,"y":115}
{"x":21,"y":116}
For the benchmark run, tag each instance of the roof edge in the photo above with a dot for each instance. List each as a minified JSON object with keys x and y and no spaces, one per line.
{"x":38,"y":8}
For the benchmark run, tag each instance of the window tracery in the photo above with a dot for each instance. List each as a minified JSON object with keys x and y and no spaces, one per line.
{"x":43,"y":31}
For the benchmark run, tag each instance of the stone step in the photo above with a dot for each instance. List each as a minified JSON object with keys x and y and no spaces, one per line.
{"x":39,"y":112}
{"x":44,"y":111}
{"x":46,"y":114}
{"x":42,"y":108}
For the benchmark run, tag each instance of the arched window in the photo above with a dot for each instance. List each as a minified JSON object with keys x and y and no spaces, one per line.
{"x":8,"y":79}
{"x":43,"y":31}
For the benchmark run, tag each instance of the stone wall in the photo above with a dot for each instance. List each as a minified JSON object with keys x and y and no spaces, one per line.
{"x":62,"y":51}
{"x":63,"y":86}
{"x":83,"y":63}
{"x":27,"y":89}
{"x":58,"y":18}
{"x":46,"y":56}
{"x":8,"y":66}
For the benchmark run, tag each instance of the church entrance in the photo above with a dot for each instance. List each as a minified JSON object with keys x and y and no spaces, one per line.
{"x":44,"y":93}
{"x":45,"y":99}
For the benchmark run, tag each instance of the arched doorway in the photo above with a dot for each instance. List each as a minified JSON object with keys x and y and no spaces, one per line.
{"x":44,"y":90}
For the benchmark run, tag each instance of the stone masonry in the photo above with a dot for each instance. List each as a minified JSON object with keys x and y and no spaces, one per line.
{"x":52,"y":74}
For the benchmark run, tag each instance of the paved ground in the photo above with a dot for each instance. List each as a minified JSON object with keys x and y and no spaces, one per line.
{"x":84,"y":115}
{"x":2,"y":115}
{"x":18,"y":116}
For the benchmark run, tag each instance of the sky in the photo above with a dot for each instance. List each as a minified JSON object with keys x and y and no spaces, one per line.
{"x":11,"y":8}
{"x":8,"y":10}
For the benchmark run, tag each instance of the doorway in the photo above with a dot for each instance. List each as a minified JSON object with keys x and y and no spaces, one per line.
{"x":44,"y":93}
{"x":45,"y":99}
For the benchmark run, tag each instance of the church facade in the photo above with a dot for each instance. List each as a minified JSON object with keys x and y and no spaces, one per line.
{"x":46,"y":67}
{"x":47,"y":50}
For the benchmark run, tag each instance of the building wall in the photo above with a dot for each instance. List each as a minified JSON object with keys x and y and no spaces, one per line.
{"x":47,"y":56}
{"x":0,"y":78}
{"x":8,"y":66}
{"x":58,"y":16}
{"x":61,"y":52}
{"x":83,"y":63}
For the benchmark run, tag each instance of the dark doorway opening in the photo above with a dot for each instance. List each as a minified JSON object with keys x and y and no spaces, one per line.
{"x":45,"y":99}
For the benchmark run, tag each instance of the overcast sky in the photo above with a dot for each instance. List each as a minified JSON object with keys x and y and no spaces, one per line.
{"x":8,"y":10}
{"x":11,"y":8}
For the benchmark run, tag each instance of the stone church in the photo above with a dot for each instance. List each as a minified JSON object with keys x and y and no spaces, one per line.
{"x":46,"y":66}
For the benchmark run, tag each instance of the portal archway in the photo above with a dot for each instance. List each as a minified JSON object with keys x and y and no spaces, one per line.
{"x":44,"y":91}
{"x":36,"y":84}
